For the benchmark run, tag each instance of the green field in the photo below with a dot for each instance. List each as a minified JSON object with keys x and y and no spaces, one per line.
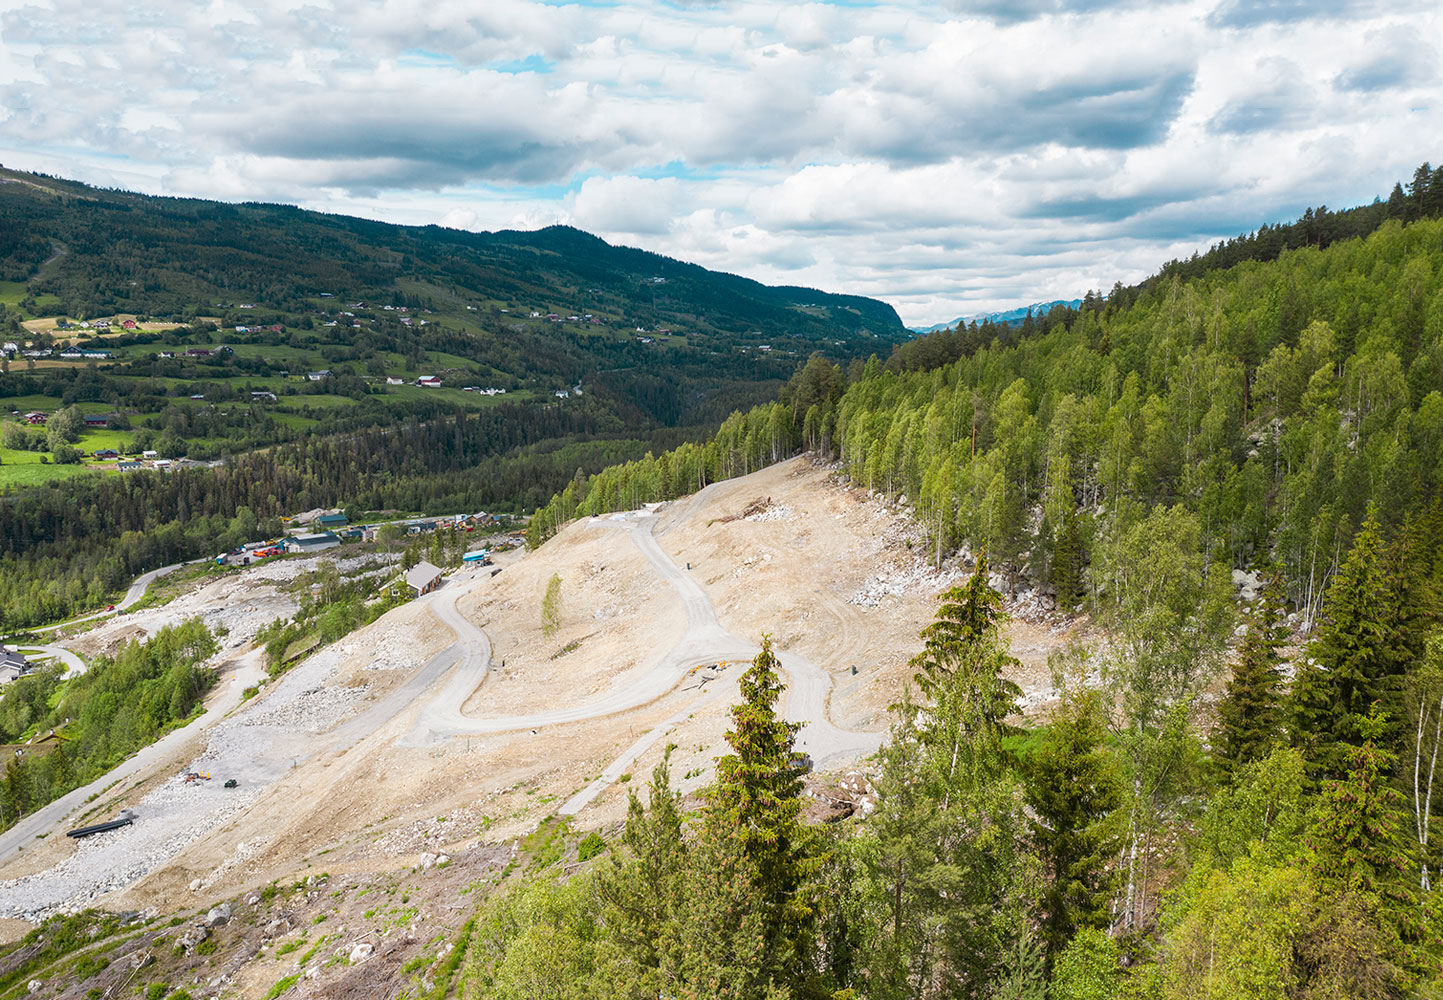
{"x":24,"y":404}
{"x":95,"y":439}
{"x":33,"y":473}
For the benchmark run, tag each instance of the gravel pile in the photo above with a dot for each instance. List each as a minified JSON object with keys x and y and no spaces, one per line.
{"x":312,"y":711}
{"x":775,"y":512}
{"x":167,"y":819}
{"x":919,"y":578}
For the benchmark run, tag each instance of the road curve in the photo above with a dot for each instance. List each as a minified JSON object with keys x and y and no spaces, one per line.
{"x":704,"y":641}
{"x":133,"y":594}
{"x":74,"y":665}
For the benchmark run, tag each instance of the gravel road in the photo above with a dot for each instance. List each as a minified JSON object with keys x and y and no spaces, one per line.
{"x":705,"y":641}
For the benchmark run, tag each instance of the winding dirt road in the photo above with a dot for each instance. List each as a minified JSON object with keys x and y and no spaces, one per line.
{"x":705,"y":641}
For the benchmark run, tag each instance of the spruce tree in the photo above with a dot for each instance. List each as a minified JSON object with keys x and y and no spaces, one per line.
{"x":1073,"y":789}
{"x":641,"y":892}
{"x":962,"y":655}
{"x":1349,"y":660}
{"x":1248,"y":715}
{"x":752,"y":833}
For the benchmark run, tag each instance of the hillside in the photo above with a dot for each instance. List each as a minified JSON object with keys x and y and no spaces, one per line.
{"x":297,"y":350}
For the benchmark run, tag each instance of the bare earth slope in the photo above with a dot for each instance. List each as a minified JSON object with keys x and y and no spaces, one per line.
{"x":455,"y":721}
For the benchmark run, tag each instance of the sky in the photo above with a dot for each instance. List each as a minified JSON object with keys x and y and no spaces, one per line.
{"x":949,"y":158}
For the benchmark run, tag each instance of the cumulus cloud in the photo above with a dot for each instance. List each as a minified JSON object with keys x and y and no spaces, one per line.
{"x":948,"y":156}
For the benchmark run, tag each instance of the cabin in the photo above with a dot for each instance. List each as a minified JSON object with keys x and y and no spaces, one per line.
{"x":317,"y":542}
{"x":423,"y":578}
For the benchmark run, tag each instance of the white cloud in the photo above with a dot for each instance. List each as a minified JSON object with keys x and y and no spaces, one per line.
{"x":947,"y":157}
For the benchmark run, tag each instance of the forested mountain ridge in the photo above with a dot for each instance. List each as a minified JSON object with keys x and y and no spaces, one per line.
{"x":299,"y":348}
{"x":181,"y":258}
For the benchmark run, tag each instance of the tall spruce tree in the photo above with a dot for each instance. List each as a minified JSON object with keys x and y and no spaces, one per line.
{"x":1249,"y":720}
{"x":1073,"y":789}
{"x":944,"y":869}
{"x":641,"y":892}
{"x":755,"y":843}
{"x":1349,"y":662}
{"x":962,"y":655}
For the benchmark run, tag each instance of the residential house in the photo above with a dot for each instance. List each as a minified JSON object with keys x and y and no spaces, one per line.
{"x":165,"y":354}
{"x":317,"y":542}
{"x":128,"y":324}
{"x":36,"y":417}
{"x":423,"y":578}
{"x":317,"y":376}
{"x":12,"y":665}
{"x":10,"y":347}
{"x":149,"y":454}
{"x":129,"y":465}
{"x":198,"y":352}
{"x":98,"y":419}
{"x":395,"y":380}
{"x":107,"y":453}
{"x":263,"y":394}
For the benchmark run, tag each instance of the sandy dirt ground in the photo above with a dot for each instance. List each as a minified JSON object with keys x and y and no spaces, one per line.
{"x":827,"y":570}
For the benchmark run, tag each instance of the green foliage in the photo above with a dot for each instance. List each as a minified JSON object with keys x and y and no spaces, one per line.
{"x":282,"y":985}
{"x":1263,"y":809}
{"x":591,"y":846}
{"x":1233,"y":932}
{"x":122,"y":703}
{"x":1087,"y":969}
{"x":551,"y":607}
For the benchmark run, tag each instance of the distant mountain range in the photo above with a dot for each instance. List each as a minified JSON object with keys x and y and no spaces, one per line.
{"x":1005,"y":316}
